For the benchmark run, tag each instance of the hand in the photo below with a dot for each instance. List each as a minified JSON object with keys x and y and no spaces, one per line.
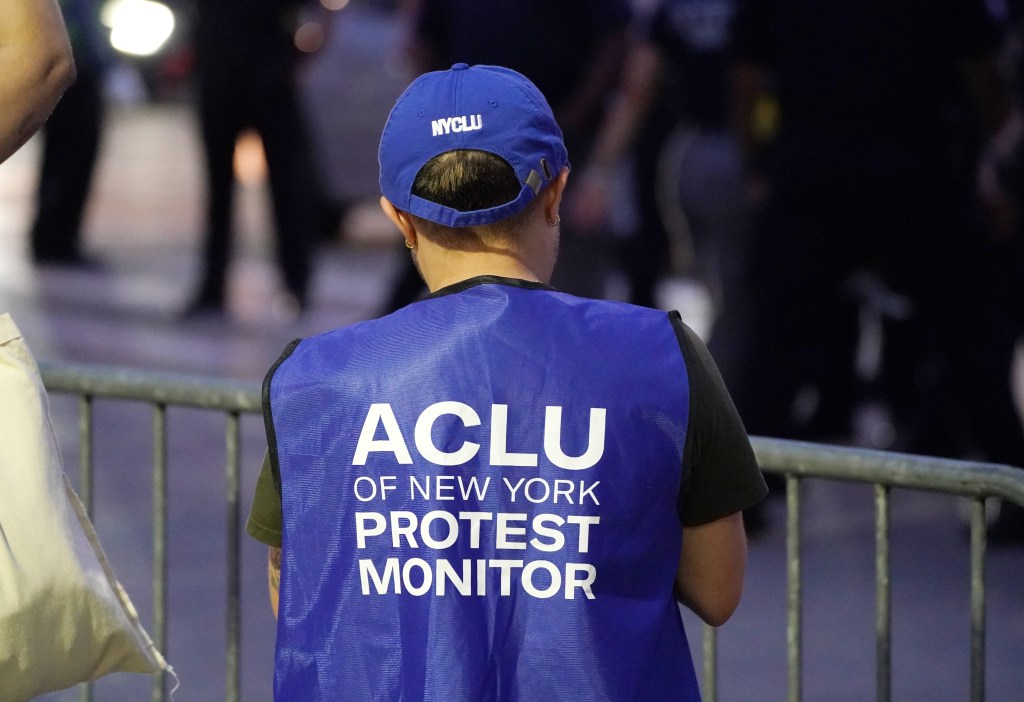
{"x":589,"y":204}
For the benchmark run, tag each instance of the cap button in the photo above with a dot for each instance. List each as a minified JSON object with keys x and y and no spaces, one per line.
{"x":460,"y":66}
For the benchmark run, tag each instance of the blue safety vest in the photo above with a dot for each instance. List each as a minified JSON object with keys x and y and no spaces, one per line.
{"x":479,"y":496}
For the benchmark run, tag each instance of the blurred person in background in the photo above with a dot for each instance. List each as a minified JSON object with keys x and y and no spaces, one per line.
{"x":71,"y":144}
{"x":883,"y":111}
{"x":673,"y":113}
{"x":1002,"y":180}
{"x":572,"y":50}
{"x":36,"y":67}
{"x":248,"y":63}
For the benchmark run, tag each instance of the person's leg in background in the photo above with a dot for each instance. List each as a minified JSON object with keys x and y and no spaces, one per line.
{"x":801,"y":327}
{"x":714,"y":208}
{"x":950,"y":365}
{"x":1005,"y":331}
{"x":294,"y":183}
{"x":221,"y":121}
{"x":71,"y":141}
{"x":644,"y":254}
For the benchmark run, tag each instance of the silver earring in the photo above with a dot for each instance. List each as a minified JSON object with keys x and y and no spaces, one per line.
{"x":409,"y":245}
{"x":556,"y":221}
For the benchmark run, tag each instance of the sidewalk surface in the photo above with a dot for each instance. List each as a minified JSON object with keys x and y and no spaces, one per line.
{"x":144,"y":224}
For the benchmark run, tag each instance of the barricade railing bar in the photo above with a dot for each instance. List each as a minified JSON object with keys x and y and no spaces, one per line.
{"x":796,"y":461}
{"x":884,"y":470}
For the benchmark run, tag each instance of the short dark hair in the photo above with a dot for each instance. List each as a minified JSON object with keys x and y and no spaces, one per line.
{"x":468,"y":180}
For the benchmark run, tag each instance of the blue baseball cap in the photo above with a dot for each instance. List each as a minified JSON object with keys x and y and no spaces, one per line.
{"x":486,"y":108}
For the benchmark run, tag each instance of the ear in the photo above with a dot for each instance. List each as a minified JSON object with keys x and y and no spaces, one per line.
{"x":553,"y":195}
{"x":401,"y":220}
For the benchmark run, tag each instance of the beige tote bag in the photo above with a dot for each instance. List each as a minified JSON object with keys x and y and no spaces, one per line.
{"x":64,"y":617}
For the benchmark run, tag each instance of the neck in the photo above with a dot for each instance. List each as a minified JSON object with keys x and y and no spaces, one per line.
{"x":456,"y":267}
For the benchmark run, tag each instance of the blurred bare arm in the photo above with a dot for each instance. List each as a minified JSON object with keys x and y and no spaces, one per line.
{"x":36,"y":67}
{"x":711,"y":568}
{"x":641,"y":79}
{"x":1002,"y":127}
{"x":605,"y":67}
{"x":274,"y":577}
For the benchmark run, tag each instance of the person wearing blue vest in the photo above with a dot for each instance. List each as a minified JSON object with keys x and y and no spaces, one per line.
{"x":501,"y":491}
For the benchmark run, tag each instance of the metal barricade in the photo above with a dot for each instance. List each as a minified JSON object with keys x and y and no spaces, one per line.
{"x":799,"y":461}
{"x":162,"y":391}
{"x":796,"y":461}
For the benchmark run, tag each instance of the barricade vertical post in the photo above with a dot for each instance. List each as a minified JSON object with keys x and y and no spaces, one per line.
{"x":883,"y":596}
{"x":85,"y":473}
{"x":234,"y":561}
{"x":160,"y":541}
{"x":85,"y":459}
{"x":978,"y":599}
{"x":793,"y":591}
{"x":710,"y":667}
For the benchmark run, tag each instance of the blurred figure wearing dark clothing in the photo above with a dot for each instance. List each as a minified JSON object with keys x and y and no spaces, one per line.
{"x":673,"y":100}
{"x":673,"y":113}
{"x":71,"y":142}
{"x":572,"y":50}
{"x":247,"y":63}
{"x":873,"y":169}
{"x":1005,"y":165}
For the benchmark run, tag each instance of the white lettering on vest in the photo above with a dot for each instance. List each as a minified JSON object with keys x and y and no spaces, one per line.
{"x":553,"y":445}
{"x":425,"y":442}
{"x":382,"y":415}
{"x":417,"y":577}
{"x":443,"y":487}
{"x":499,"y":441}
{"x":538,"y":490}
{"x":511,"y":529}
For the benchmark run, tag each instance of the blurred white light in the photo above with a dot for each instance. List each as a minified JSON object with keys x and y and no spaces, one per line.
{"x":138,"y":27}
{"x":334,"y":5}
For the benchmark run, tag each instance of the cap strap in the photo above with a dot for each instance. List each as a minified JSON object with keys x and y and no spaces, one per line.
{"x":534,"y":180}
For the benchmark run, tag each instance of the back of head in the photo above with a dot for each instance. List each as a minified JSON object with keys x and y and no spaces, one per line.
{"x":466,"y":180}
{"x":469,"y":146}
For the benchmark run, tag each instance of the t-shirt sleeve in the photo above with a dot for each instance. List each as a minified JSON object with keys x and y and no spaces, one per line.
{"x":720,"y":472}
{"x":265,"y":522}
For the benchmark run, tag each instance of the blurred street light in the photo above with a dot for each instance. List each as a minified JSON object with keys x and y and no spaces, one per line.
{"x":138,"y":27}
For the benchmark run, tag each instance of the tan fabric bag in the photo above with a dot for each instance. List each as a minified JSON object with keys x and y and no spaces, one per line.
{"x":64,"y":617}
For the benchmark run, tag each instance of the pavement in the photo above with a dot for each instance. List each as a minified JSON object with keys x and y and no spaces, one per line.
{"x":143,"y":224}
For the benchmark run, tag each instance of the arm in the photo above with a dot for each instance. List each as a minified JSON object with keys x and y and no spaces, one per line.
{"x":640,"y":82}
{"x":1002,"y":129}
{"x":604,"y":69}
{"x":641,"y":78}
{"x":723,"y":480}
{"x":36,"y":67}
{"x":274,"y":577}
{"x":711,"y":567}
